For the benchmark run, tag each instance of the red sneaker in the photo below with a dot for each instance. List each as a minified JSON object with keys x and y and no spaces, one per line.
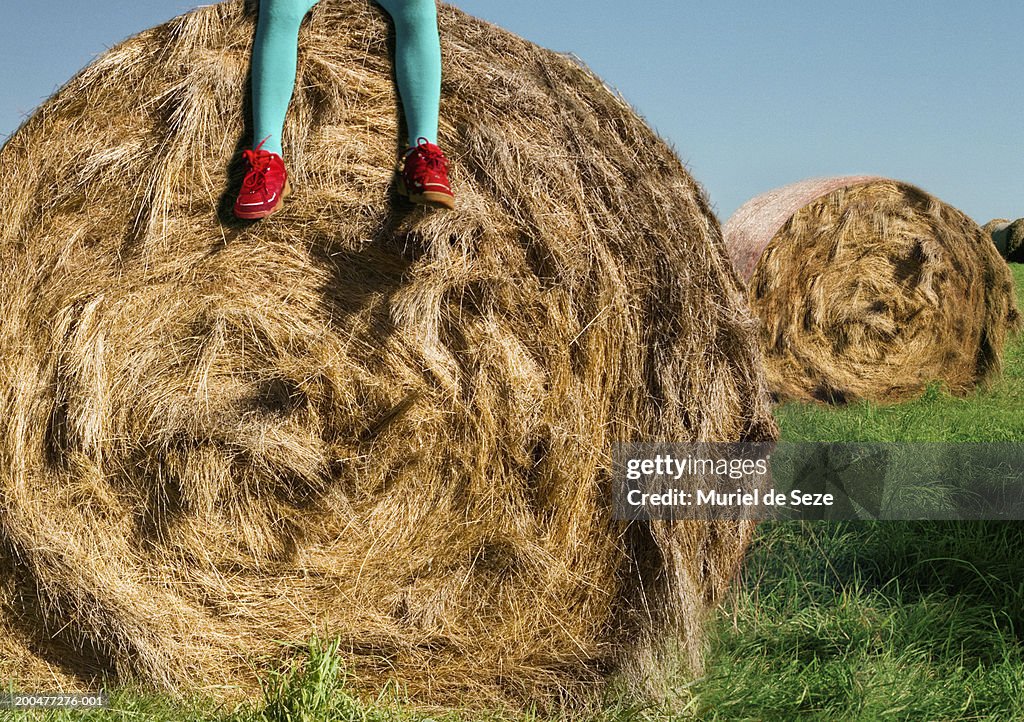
{"x":423,"y":176}
{"x":265,"y":185}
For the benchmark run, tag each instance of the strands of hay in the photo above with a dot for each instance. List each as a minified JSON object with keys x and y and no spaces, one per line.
{"x":870,"y":288}
{"x":1008,"y":237}
{"x":357,"y":418}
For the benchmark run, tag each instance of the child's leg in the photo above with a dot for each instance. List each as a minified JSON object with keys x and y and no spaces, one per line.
{"x":417,"y":64}
{"x":274,"y":59}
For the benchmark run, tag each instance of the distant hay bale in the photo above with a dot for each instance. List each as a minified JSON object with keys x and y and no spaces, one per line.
{"x":997,"y":230}
{"x":1015,"y":242}
{"x":869,"y":288}
{"x":1008,"y":237}
{"x":357,"y":418}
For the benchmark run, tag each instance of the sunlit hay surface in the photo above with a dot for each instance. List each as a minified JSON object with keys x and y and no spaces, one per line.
{"x":869,"y":288}
{"x":356,"y":418}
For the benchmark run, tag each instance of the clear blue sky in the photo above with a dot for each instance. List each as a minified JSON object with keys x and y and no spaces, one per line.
{"x":752,"y":95}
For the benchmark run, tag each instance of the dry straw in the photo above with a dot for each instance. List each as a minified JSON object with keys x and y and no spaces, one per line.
{"x":869,"y":288}
{"x":356,"y":418}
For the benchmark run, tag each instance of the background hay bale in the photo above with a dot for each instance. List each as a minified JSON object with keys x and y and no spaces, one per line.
{"x":870,"y":288}
{"x":1008,"y":237}
{"x":357,"y":418}
{"x":996,"y":229}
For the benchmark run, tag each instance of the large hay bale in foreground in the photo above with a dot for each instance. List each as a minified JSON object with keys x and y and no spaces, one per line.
{"x":356,"y":418}
{"x":870,"y":288}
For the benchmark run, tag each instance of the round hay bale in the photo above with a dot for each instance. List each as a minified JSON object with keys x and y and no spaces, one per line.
{"x":357,"y":418}
{"x":997,"y":230}
{"x":1008,"y":237}
{"x":1015,"y":242}
{"x":869,"y":288}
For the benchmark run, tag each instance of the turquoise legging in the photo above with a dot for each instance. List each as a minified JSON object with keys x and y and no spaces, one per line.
{"x":275,"y":54}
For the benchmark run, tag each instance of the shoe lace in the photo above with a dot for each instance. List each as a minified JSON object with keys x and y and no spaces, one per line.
{"x":432,"y":156}
{"x":259,"y":164}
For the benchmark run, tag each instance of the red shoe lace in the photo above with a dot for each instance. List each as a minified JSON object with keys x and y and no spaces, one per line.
{"x":432,"y":156}
{"x":259,"y":164}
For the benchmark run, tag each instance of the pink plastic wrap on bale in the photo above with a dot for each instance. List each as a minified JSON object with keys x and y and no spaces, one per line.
{"x":751,"y":228}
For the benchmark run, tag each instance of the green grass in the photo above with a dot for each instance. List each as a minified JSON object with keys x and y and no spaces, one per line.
{"x":881,"y":620}
{"x":872,"y":620}
{"x":830,"y":621}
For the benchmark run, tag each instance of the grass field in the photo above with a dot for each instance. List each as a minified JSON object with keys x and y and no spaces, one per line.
{"x":830,"y":621}
{"x":883,"y":620}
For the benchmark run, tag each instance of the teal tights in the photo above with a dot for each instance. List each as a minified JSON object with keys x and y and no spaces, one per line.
{"x":275,"y":53}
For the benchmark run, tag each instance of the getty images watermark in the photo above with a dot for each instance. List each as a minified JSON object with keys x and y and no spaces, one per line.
{"x":761,"y":481}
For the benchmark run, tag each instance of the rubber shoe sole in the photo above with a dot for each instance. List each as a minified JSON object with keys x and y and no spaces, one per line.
{"x":427,"y":198}
{"x":256,"y":215}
